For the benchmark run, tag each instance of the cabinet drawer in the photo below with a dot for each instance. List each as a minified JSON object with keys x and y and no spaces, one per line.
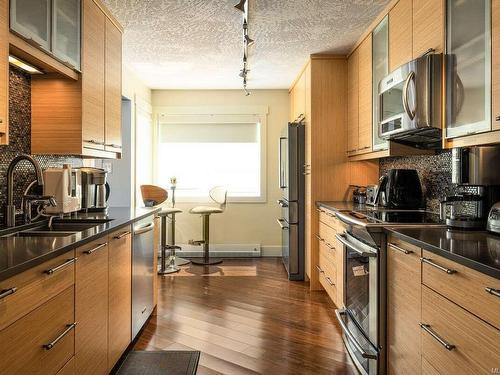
{"x":329,"y":286}
{"x":473,"y":345}
{"x":328,"y":267}
{"x":402,"y":246}
{"x":34,"y":287}
{"x":328,"y":217}
{"x":42,"y":341}
{"x":328,"y":249}
{"x":327,"y":234}
{"x":462,"y":285}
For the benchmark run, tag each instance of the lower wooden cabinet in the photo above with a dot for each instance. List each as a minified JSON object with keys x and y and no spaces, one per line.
{"x":403,"y":307}
{"x":42,"y":341}
{"x":91,"y":308}
{"x":454,"y":341}
{"x":69,"y":368}
{"x":120,"y":294}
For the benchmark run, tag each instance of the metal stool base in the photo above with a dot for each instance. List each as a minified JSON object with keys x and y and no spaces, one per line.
{"x":181,"y":261}
{"x":206,"y":262}
{"x":168,"y":270}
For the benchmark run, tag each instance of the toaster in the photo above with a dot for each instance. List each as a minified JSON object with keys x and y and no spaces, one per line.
{"x":493,"y":224}
{"x":64,"y":184}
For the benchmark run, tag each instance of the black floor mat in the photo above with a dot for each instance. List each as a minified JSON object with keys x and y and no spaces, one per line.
{"x":160,"y":363}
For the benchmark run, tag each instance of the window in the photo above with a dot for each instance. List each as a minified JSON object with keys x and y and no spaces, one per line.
{"x":203,"y":151}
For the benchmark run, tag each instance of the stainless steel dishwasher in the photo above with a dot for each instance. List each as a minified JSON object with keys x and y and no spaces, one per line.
{"x":142,"y":273}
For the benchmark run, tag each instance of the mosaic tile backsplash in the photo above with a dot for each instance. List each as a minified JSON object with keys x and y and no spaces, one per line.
{"x":20,"y":140}
{"x":434,"y":172}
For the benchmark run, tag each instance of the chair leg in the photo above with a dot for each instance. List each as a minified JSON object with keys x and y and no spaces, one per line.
{"x":177,"y":261}
{"x":206,"y":260}
{"x":164,"y":268}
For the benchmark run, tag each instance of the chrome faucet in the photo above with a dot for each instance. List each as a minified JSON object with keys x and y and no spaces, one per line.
{"x":10,"y":209}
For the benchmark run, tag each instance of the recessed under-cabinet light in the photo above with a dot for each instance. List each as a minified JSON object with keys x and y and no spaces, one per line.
{"x":24,"y":66}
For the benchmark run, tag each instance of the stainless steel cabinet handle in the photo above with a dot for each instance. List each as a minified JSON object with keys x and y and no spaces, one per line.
{"x":61,"y":266}
{"x":319,"y":269}
{"x":404,"y":251}
{"x":319,"y":238}
{"x":112,"y":145}
{"x":100,"y":246}
{"x":282,"y":203}
{"x":497,"y":118}
{"x":427,"y":328}
{"x":94,"y":142}
{"x":7,"y":292}
{"x":444,"y":269}
{"x":370,"y":354}
{"x":50,"y":345}
{"x":329,"y":214}
{"x":121,"y":235}
{"x":329,"y":281}
{"x":495,"y":292}
{"x":147,"y":228}
{"x":364,"y":148}
{"x":350,"y":151}
{"x":329,"y":245}
{"x":282,"y":226}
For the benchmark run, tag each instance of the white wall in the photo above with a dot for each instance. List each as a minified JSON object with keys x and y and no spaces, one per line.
{"x":242,"y":223}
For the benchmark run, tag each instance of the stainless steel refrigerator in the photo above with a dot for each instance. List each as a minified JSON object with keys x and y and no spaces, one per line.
{"x":292,"y":184}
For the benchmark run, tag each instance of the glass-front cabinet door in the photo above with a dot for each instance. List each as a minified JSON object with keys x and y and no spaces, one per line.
{"x":66,"y":31}
{"x":380,"y":63}
{"x":31,"y":19}
{"x":468,"y":72}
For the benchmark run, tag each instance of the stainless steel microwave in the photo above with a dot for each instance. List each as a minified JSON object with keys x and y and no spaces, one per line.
{"x":410,"y":100}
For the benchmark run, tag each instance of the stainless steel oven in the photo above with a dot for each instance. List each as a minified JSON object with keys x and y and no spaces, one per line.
{"x":362,"y":319}
{"x":410,"y":101}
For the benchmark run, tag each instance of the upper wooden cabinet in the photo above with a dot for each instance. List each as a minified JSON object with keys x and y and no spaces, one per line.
{"x":83,"y":117}
{"x":495,"y":58}
{"x":365,"y":125}
{"x":400,"y":34}
{"x":298,"y":97}
{"x":4,"y":72}
{"x":428,"y":26}
{"x":353,"y":102}
{"x":53,"y":26}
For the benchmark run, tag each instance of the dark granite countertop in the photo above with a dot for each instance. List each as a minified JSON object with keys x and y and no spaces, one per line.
{"x":18,"y":254}
{"x":341,"y":206}
{"x":477,"y":250}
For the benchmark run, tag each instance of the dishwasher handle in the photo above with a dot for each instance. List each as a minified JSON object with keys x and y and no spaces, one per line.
{"x":144,"y":229}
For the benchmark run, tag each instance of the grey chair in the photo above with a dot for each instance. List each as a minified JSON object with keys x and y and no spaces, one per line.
{"x":219,"y":195}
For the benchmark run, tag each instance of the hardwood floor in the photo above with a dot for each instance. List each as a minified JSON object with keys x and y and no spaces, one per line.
{"x":246,"y":318}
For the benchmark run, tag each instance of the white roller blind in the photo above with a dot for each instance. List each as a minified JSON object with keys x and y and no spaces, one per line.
{"x":209,"y":133}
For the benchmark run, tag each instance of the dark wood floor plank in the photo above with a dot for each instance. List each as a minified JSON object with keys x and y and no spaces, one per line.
{"x":247,"y":318}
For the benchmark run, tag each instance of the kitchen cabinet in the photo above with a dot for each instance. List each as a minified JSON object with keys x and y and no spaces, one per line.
{"x":91,"y":308}
{"x":403,"y":307}
{"x":495,"y":58}
{"x":66,"y":31}
{"x":53,"y":26}
{"x":428,"y":26}
{"x":41,"y":342}
{"x":119,"y":294}
{"x":380,"y":68}
{"x":453,"y":340}
{"x":298,"y":97}
{"x":4,"y":72}
{"x":327,"y":170}
{"x":352,"y":102}
{"x":365,"y":125}
{"x":83,"y":117}
{"x":468,"y":77}
{"x":400,"y":34}
{"x":32,"y":20}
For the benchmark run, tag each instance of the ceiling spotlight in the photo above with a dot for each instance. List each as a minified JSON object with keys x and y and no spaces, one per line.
{"x":249,"y":40}
{"x":241,"y":5}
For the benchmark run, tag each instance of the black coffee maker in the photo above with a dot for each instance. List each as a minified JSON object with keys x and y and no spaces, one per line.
{"x":475,"y":173}
{"x":400,"y":189}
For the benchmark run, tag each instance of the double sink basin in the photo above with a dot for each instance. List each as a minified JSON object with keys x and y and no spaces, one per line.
{"x":59,"y":228}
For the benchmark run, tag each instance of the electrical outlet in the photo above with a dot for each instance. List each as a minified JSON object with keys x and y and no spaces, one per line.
{"x":107,"y":165}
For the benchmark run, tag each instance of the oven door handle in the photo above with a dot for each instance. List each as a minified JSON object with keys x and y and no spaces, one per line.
{"x":370,"y":354}
{"x":342,"y":238}
{"x":346,"y":218}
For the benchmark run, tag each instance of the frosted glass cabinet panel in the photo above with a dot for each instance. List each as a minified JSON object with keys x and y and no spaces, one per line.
{"x":31,"y":19}
{"x":468,"y":75}
{"x":380,"y":63}
{"x":66,"y":31}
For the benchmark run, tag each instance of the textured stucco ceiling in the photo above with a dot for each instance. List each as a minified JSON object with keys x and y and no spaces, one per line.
{"x":197,"y":44}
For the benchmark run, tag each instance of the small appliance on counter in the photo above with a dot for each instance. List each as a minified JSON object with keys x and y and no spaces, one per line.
{"x":95,"y":189}
{"x":400,"y":189}
{"x":359,"y":194}
{"x":65,"y":185}
{"x":371,"y":194}
{"x":477,"y":184}
{"x":494,"y":219}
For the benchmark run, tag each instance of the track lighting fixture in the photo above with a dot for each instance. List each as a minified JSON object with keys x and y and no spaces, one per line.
{"x":241,"y":5}
{"x":247,"y":42}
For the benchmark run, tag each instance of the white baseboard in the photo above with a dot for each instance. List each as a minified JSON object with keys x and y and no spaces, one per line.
{"x":271,"y":251}
{"x":222,"y":250}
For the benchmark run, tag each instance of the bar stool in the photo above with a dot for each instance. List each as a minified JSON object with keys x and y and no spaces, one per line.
{"x":219,"y":195}
{"x":173,"y":262}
